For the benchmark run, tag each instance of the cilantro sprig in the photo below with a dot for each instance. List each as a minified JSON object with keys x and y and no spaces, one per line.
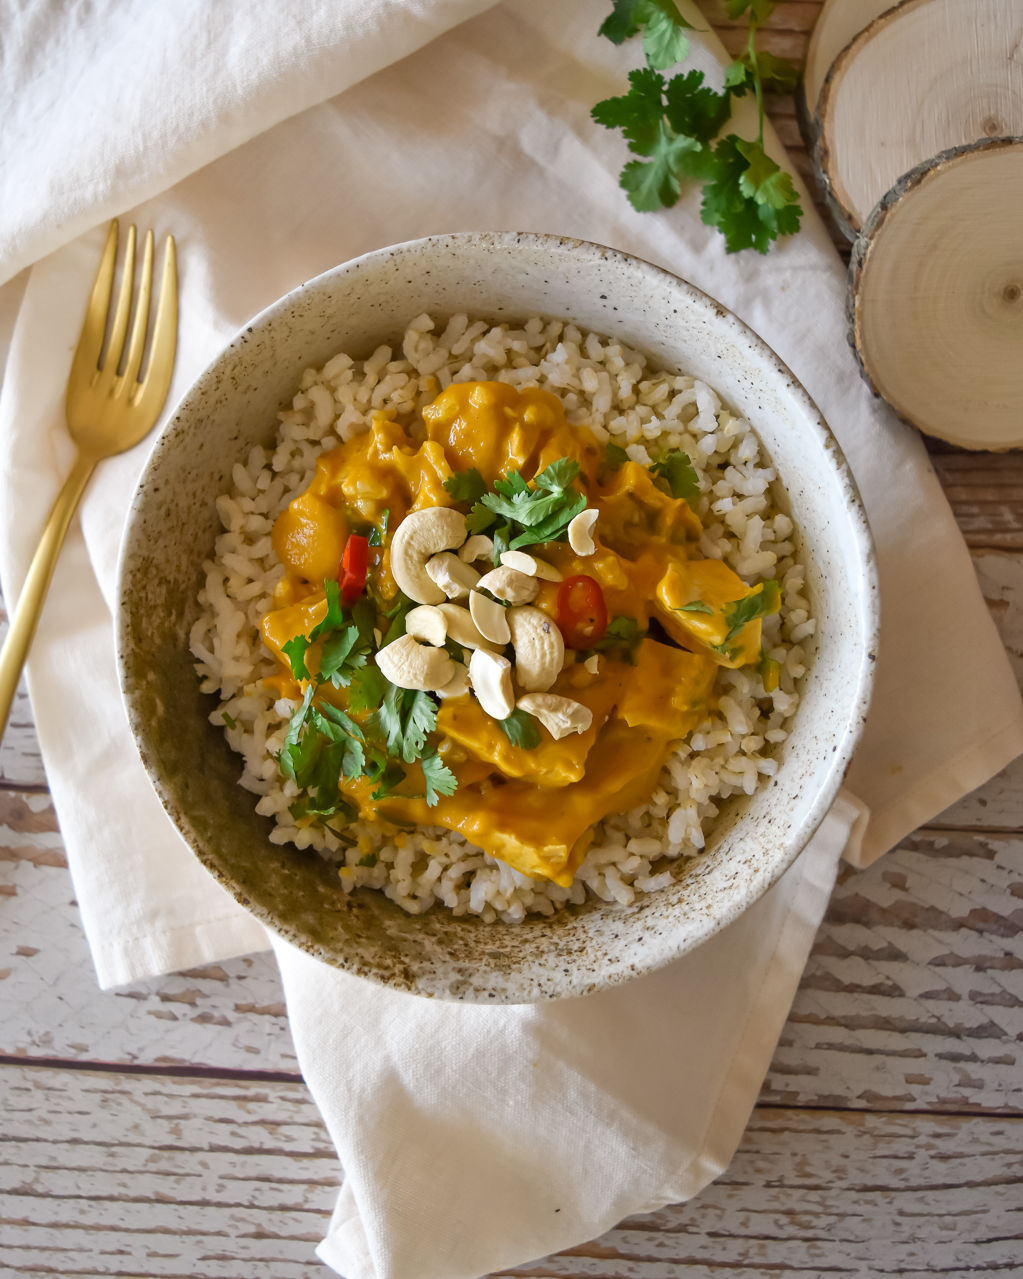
{"x":325,"y":746}
{"x":516,"y":513}
{"x":674,"y":126}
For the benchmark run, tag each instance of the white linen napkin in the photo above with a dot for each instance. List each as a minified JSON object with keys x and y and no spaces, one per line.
{"x":454,"y":1124}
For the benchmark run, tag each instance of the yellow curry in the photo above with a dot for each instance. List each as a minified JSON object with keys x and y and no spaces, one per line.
{"x":646,"y":686}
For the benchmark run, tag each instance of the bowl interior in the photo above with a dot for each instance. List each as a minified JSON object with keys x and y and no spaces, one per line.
{"x":173,"y":524}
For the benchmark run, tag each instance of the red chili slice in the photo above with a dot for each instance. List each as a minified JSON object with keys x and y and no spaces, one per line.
{"x":354,"y":563}
{"x":582,"y":611}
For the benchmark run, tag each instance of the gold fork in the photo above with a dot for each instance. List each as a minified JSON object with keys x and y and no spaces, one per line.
{"x":109,"y":409}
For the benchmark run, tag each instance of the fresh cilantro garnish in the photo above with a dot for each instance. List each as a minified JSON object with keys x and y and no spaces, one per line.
{"x":368,"y":859}
{"x":672,"y":125}
{"x":680,"y":474}
{"x":343,"y":653}
{"x":404,"y":719}
{"x":749,"y":198}
{"x":619,"y":640}
{"x":439,"y":779}
{"x":765,"y":599}
{"x":663,"y":27}
{"x":694,"y":606}
{"x":366,"y":689}
{"x":324,"y":745}
{"x":521,"y":729}
{"x":295,"y":650}
{"x":396,"y":614}
{"x":466,"y":486}
{"x":228,"y":720}
{"x":335,"y":614}
{"x":307,"y":806}
{"x":541,"y":513}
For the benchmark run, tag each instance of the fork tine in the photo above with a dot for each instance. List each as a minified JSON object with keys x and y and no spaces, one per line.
{"x":120,"y":325}
{"x":137,"y":340}
{"x":154,"y":386}
{"x":90,"y":341}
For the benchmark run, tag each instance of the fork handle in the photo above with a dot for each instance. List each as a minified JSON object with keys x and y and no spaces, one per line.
{"x":37,"y":581}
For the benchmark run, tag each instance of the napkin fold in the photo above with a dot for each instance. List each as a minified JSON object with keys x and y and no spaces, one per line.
{"x":461,"y":1130}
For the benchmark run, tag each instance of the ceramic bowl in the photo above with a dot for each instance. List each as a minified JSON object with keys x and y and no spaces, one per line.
{"x":173,"y":524}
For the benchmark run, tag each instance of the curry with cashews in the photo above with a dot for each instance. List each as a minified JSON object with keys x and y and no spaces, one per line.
{"x":498,"y":626}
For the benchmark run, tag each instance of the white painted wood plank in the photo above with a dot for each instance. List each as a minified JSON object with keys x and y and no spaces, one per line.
{"x":913,"y":995}
{"x":110,"y":1174}
{"x":20,"y":761}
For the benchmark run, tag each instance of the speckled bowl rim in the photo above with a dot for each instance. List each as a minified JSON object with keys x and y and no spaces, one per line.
{"x":661,"y":949}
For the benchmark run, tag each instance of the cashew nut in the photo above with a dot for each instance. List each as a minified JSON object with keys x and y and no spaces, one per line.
{"x":409,"y":664}
{"x":461,"y":627}
{"x":477,"y":547}
{"x":426,"y":623}
{"x":420,"y":535}
{"x":559,"y":715}
{"x":539,"y":648}
{"x":592,"y":663}
{"x":580,"y":531}
{"x":509,"y":584}
{"x":451,"y":575}
{"x":489,"y":617}
{"x":491,"y":678}
{"x":531,"y":566}
{"x":457,"y":685}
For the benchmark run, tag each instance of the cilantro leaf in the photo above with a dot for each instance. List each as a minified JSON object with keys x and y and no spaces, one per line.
{"x":664,"y":41}
{"x":557,"y":476}
{"x":501,"y":538}
{"x":366,"y":689}
{"x":677,"y":469}
{"x":694,"y":606}
{"x":404,"y":720}
{"x":466,"y":486}
{"x":295,"y":650}
{"x":368,"y":859}
{"x":420,"y":718}
{"x":765,"y":599}
{"x":439,"y":779}
{"x":637,"y":113}
{"x":390,"y":776}
{"x":657,"y":183}
{"x":521,"y":729}
{"x":749,"y":198}
{"x":620,"y":639}
{"x":664,"y":28}
{"x":385,"y":722}
{"x":694,"y":109}
{"x":479,"y":519}
{"x":309,"y":806}
{"x":397,"y":614}
{"x":335,"y":614}
{"x":343,"y":653}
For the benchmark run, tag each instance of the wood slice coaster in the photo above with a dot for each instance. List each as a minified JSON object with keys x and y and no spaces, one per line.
{"x":921,"y":78}
{"x":838,"y":22}
{"x":936,"y":296}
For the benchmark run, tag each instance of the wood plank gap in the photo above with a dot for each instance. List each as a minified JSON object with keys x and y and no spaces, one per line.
{"x":169,"y":1071}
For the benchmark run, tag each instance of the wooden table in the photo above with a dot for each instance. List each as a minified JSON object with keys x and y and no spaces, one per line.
{"x":164,"y":1130}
